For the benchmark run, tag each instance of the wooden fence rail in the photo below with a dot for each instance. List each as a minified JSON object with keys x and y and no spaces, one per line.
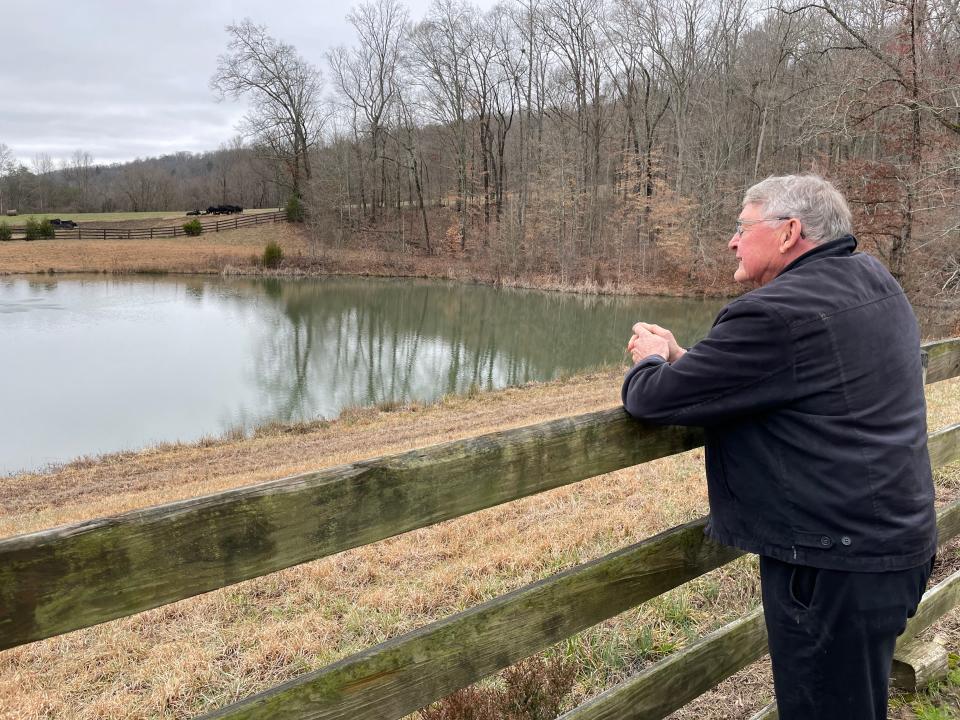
{"x":171,"y":231}
{"x":79,"y":575}
{"x":395,"y":678}
{"x":670,"y":684}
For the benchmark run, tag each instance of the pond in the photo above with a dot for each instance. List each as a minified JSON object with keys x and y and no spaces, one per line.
{"x":95,"y":364}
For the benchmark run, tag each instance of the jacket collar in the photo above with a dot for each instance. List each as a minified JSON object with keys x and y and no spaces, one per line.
{"x":841,"y":247}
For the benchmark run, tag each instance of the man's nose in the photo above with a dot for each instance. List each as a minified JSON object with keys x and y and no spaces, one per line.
{"x":734,"y":241}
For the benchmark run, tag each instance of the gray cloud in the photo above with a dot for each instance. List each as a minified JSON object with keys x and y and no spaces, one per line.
{"x":122,"y":79}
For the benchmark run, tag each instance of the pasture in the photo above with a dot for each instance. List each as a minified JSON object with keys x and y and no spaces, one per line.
{"x":209,"y":253}
{"x":19,"y":220}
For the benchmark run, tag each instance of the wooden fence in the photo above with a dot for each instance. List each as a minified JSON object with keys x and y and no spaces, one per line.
{"x":227,"y":223}
{"x":71,"y":577}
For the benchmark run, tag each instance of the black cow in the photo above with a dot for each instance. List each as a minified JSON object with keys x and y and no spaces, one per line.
{"x":224,"y":209}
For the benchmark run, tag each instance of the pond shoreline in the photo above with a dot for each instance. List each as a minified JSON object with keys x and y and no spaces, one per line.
{"x":237,"y":253}
{"x":208,"y":353}
{"x":377,"y":429}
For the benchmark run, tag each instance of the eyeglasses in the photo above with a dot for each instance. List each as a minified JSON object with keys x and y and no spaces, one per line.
{"x":740,"y":223}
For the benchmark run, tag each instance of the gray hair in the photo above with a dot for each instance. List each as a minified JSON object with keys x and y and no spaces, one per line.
{"x":822,"y":211}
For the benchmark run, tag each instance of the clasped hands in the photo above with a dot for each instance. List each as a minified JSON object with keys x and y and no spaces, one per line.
{"x":649,"y":339}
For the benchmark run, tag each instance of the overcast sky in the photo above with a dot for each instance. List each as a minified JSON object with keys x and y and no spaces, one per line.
{"x":122,"y":79}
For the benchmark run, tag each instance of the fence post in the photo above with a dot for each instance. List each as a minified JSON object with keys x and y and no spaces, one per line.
{"x":104,"y":233}
{"x":151,"y":233}
{"x":235,"y":221}
{"x":217,"y":229}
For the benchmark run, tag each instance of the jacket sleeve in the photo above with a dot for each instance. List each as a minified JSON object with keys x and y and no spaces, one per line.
{"x":744,"y":366}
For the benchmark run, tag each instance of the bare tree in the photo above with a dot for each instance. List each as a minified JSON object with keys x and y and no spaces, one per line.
{"x":366,"y":75}
{"x":679,"y":35}
{"x":441,"y":43}
{"x":891,"y":87}
{"x":509,"y":66}
{"x":286,"y":115}
{"x":79,"y":169}
{"x":146,"y":186}
{"x":6,"y":167}
{"x":43,"y":168}
{"x":408,"y":142}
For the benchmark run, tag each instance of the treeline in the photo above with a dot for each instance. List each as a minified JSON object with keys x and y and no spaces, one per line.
{"x":234,"y":174}
{"x":591,"y":140}
{"x":603,"y":138}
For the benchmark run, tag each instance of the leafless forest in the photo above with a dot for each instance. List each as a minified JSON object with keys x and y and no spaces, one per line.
{"x":590,"y":140}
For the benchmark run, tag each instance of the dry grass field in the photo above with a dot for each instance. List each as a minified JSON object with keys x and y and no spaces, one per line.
{"x":97,"y":218}
{"x":189,"y":657}
{"x":208,"y":253}
{"x":235,"y":252}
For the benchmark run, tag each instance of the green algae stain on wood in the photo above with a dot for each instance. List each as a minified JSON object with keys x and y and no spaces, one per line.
{"x":943,"y":359}
{"x":405,"y":673}
{"x":75,"y":576}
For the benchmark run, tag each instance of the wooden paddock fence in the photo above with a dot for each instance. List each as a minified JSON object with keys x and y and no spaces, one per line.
{"x":75,"y":576}
{"x":234,"y":222}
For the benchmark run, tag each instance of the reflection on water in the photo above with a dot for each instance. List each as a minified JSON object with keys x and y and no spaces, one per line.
{"x":93,"y":364}
{"x":350,"y":342}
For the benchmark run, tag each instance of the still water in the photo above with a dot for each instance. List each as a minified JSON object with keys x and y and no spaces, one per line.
{"x":91,"y":364}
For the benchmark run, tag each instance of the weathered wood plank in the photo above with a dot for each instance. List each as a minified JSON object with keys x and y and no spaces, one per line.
{"x":943,"y":359}
{"x":676,"y":680}
{"x":948,"y":523}
{"x":944,"y":445}
{"x":79,"y":575}
{"x":408,"y":672}
{"x":74,"y":576}
{"x":937,"y":602}
{"x":768,"y":712}
{"x":917,"y":664}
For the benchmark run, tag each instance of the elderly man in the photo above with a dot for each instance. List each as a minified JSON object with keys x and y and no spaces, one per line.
{"x":810,"y":390}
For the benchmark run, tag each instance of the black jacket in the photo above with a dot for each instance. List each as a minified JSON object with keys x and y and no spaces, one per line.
{"x":810,"y":389}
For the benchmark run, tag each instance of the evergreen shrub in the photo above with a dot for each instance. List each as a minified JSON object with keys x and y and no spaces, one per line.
{"x":295,"y":211}
{"x":32,"y":229}
{"x":272,"y":255}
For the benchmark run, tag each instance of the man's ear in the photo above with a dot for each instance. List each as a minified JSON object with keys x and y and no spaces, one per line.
{"x":790,"y":239}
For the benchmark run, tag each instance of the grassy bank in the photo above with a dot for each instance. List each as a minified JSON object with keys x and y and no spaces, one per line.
{"x":237,"y":252}
{"x":189,"y":657}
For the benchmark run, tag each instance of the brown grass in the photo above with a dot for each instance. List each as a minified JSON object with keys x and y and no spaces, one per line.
{"x":201,"y":653}
{"x":234,"y":252}
{"x":208,"y":253}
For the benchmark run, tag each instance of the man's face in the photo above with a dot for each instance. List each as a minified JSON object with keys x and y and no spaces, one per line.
{"x":757,"y":247}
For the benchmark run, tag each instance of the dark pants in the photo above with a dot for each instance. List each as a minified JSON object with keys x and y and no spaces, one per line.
{"x":831,"y":636}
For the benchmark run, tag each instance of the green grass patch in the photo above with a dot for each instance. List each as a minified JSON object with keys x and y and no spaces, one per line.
{"x":938,"y":701}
